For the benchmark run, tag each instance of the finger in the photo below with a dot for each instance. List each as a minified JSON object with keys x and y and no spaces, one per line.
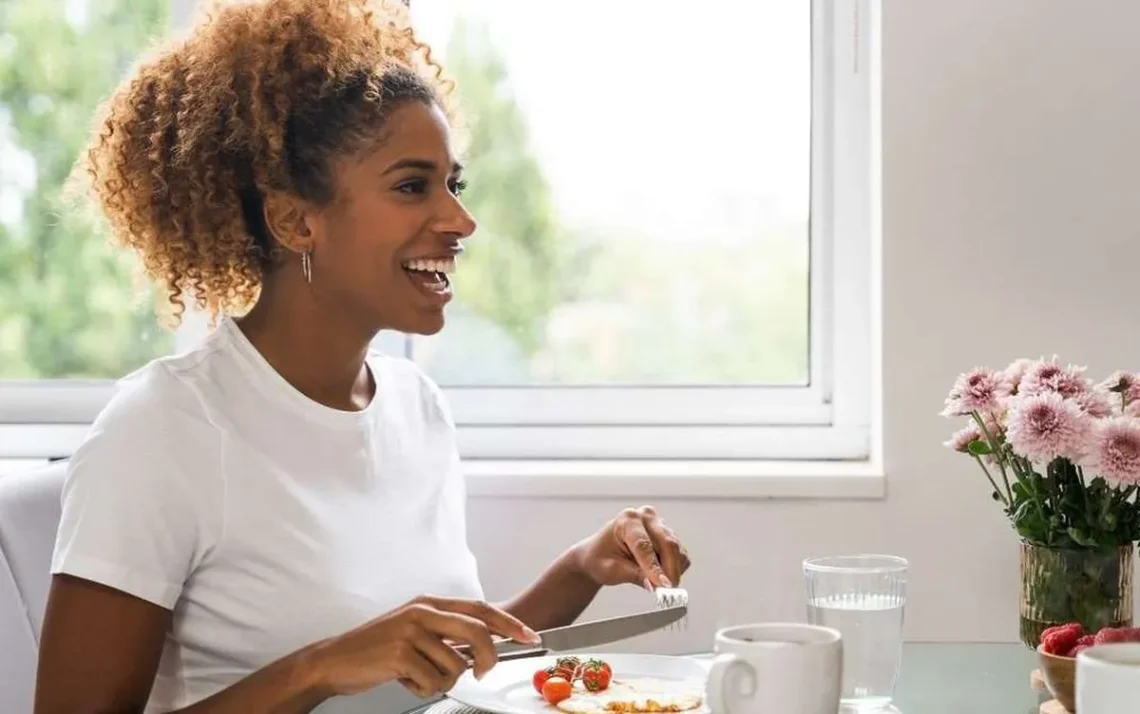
{"x":413,"y":688}
{"x":466,"y":629}
{"x":639,"y":543}
{"x":667,"y":546}
{"x":445,"y":659}
{"x":497,"y":620}
{"x":422,"y":676}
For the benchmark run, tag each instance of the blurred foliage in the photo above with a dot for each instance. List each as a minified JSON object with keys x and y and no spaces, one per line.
{"x":539,"y":301}
{"x":69,"y":303}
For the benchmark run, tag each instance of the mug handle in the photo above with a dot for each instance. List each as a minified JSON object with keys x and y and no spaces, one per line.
{"x":723,"y":667}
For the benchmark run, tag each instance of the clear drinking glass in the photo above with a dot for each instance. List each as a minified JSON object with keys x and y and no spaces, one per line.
{"x":862,"y":596}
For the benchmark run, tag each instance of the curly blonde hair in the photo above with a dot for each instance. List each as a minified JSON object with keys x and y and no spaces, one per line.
{"x":259,"y":97}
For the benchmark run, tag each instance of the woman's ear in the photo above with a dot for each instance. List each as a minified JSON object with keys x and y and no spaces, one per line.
{"x":287,"y":218}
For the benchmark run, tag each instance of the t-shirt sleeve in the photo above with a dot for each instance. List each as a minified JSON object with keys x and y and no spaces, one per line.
{"x":133,"y":518}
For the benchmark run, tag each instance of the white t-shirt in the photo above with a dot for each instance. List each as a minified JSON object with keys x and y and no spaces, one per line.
{"x":264,"y":520}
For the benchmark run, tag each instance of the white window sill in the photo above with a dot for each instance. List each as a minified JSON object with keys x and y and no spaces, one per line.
{"x":40,"y":441}
{"x":675,"y":479}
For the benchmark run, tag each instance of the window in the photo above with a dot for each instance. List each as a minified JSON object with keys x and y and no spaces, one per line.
{"x":68,"y":308}
{"x":674,"y":252}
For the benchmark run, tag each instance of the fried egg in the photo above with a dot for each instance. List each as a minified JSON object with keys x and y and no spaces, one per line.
{"x":635,"y":696}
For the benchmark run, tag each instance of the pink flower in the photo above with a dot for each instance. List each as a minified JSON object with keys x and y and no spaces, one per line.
{"x":1049,"y":376}
{"x":1095,"y":402}
{"x":994,"y":419}
{"x":979,"y":390}
{"x":1115,"y":452}
{"x":1125,"y":383}
{"x":1045,"y":426}
{"x":1120,"y":381}
{"x":1014,"y":373}
{"x":962,"y":438}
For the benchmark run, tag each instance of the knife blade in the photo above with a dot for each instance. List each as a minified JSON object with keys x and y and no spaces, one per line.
{"x":587,"y":634}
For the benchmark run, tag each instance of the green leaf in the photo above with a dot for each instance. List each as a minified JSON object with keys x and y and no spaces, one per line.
{"x":979,"y":447}
{"x":1080,"y":537}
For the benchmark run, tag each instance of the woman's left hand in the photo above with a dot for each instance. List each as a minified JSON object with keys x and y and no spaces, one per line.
{"x":636,"y":547}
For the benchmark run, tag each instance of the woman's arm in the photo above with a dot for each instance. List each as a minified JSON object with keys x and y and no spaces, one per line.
{"x":558,"y":596}
{"x":636,"y":548}
{"x":101,"y":648}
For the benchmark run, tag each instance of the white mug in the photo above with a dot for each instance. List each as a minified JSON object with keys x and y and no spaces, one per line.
{"x":1108,"y":679}
{"x":776,"y":667}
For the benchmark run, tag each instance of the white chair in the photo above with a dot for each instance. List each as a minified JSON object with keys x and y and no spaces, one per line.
{"x":29,"y":518}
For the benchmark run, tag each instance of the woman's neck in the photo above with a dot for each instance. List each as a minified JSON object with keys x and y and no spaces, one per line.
{"x":316,"y":350}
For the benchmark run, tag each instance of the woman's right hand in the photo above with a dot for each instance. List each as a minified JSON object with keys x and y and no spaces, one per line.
{"x":408,"y":644}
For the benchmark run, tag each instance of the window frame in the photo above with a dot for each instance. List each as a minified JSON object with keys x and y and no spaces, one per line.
{"x":828,"y":419}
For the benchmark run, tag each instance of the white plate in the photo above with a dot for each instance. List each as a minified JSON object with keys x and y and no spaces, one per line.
{"x":507,"y":688}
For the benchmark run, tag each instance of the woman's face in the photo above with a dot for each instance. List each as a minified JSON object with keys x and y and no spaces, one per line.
{"x":385,"y":246}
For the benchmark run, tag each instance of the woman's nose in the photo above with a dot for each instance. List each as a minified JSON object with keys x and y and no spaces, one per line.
{"x":457,"y":221}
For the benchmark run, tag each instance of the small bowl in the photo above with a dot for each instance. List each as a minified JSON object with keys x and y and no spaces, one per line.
{"x":1060,"y":675}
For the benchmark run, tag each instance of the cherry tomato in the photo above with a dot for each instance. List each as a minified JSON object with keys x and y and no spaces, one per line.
{"x":556,"y":689}
{"x":568,"y":667}
{"x":596,"y":675}
{"x":541,"y":676}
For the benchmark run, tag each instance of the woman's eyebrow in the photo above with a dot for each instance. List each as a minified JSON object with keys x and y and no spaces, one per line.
{"x":422,"y":164}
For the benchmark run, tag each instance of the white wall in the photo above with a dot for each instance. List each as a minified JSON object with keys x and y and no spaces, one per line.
{"x":1011,"y":166}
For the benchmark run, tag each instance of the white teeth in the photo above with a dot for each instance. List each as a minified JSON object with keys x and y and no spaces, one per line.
{"x":444,"y":265}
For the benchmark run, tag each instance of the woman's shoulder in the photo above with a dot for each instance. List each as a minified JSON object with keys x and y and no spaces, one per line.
{"x":152,"y":447}
{"x":158,"y":406}
{"x":400,"y":376}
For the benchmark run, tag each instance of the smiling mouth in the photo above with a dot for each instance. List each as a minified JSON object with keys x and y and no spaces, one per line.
{"x":430,"y":275}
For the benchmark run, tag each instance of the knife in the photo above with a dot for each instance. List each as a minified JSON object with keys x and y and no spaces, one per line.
{"x":586,"y":634}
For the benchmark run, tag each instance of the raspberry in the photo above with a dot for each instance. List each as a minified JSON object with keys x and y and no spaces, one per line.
{"x":1087,"y":640}
{"x":1113,"y":634}
{"x":1050,"y":630}
{"x":1059,"y":640}
{"x":1057,"y":628}
{"x":1134,"y":634}
{"x":1077,"y":650}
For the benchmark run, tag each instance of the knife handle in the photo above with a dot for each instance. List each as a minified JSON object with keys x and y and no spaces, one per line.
{"x":505,"y":649}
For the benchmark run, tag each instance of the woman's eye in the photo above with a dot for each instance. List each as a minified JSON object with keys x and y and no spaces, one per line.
{"x":458,"y":187}
{"x":412,"y":186}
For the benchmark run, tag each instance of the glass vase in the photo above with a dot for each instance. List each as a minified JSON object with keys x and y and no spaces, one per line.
{"x":1059,"y":586}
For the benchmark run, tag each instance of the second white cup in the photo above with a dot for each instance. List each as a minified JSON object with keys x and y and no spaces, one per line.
{"x":776,"y":667}
{"x":1108,"y":679}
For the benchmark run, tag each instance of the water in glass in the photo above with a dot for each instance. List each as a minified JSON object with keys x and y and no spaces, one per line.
{"x":863,"y":597}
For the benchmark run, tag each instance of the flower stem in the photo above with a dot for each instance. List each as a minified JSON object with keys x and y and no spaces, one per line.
{"x":1123,"y":495}
{"x":996,"y":448}
{"x":992,"y":482}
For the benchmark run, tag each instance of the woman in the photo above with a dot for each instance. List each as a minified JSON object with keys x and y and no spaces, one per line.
{"x":276,"y":517}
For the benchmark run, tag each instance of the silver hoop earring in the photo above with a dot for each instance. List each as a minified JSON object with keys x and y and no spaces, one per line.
{"x":307,"y":267}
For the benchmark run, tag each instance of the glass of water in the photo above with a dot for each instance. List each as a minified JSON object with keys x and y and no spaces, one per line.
{"x":863,"y":597}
